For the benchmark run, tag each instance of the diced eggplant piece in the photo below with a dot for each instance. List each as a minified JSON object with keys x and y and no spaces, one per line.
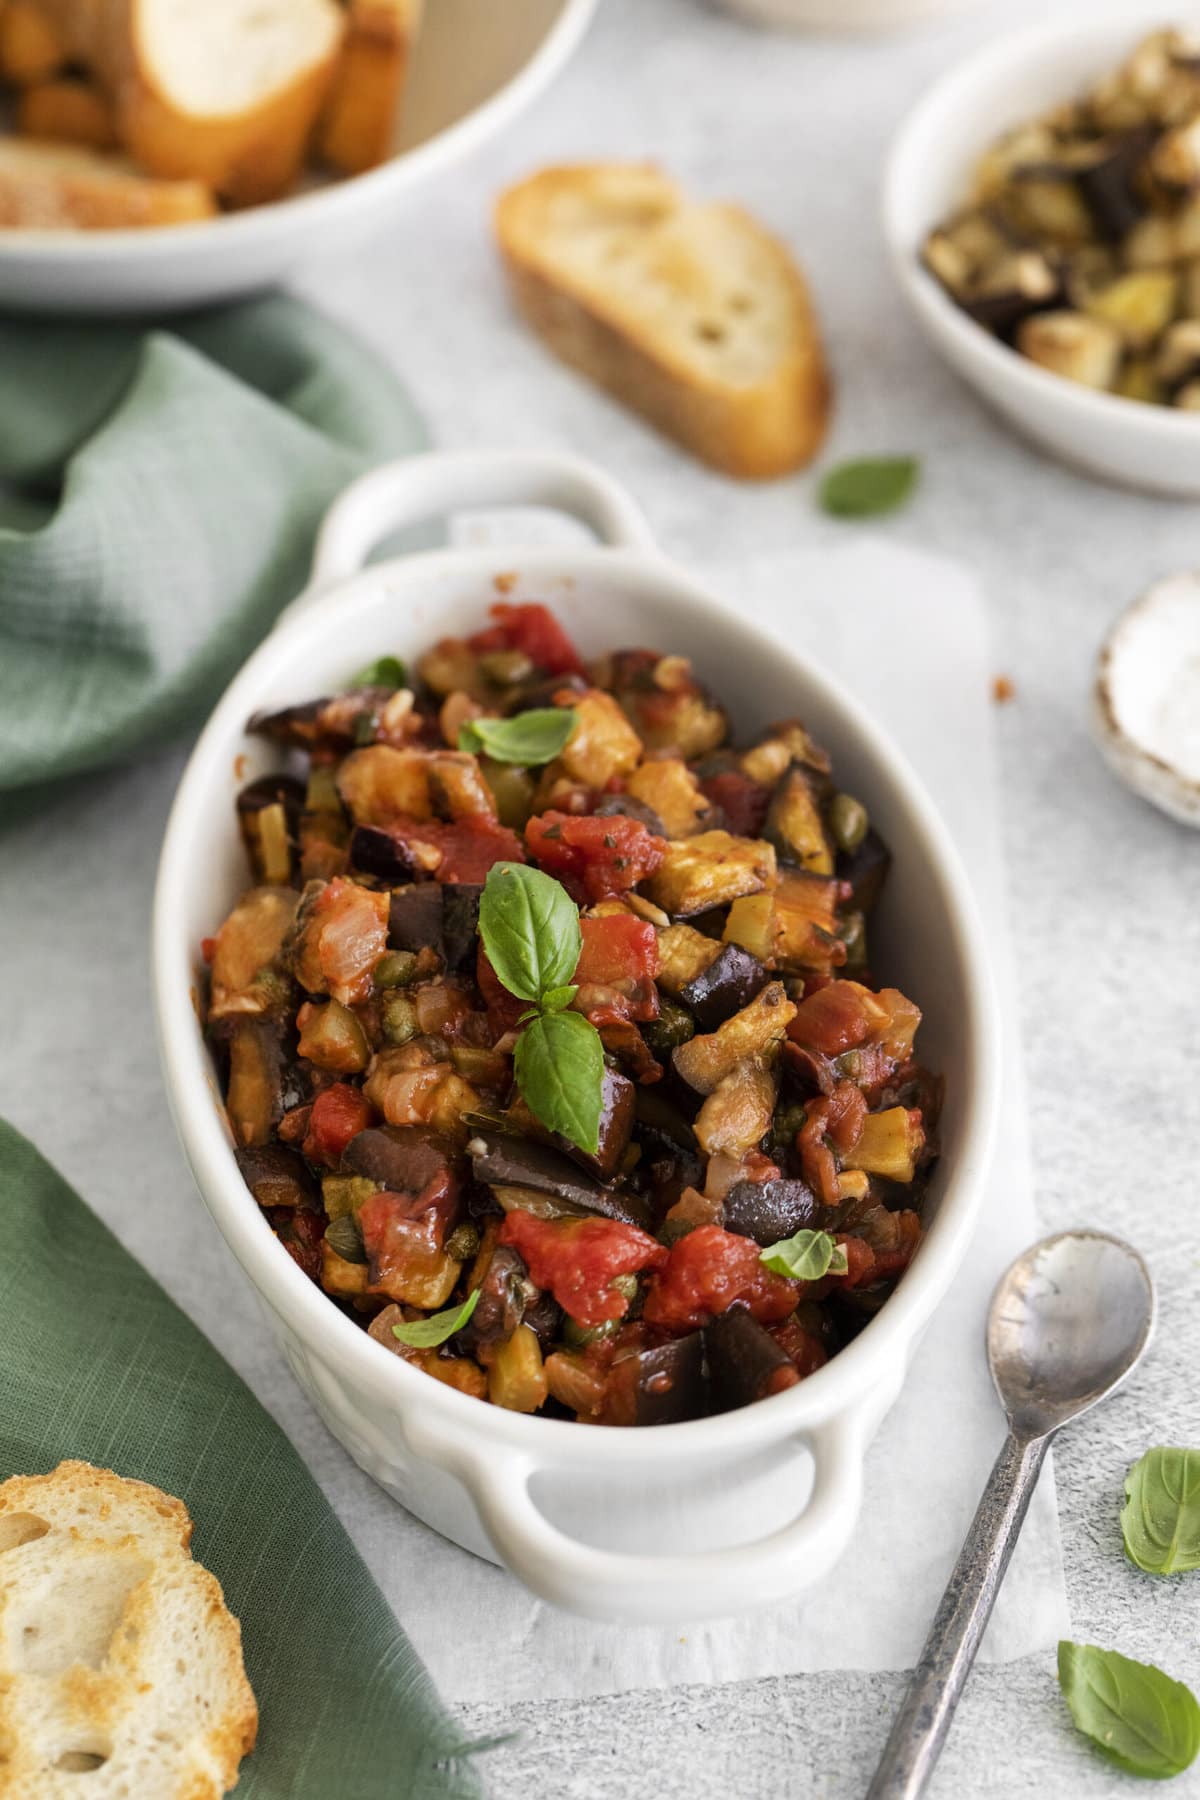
{"x":1110,"y":185}
{"x":250,"y":940}
{"x":255,"y":1095}
{"x":1020,"y":285}
{"x":769,"y":1211}
{"x":332,"y":722}
{"x":683,"y":952}
{"x":277,"y":1175}
{"x":795,"y":826}
{"x":704,"y":1062}
{"x":1140,"y":305}
{"x":269,"y":816}
{"x":710,"y":869}
{"x":617,"y":1108}
{"x":661,"y":1386}
{"x":744,"y":1361}
{"x":460,"y":922}
{"x":404,"y":1159}
{"x":504,"y":1293}
{"x":737,"y":1115}
{"x":727,"y":985}
{"x":1072,"y":345}
{"x":624,"y":806}
{"x":660,"y":1124}
{"x":415,"y":917}
{"x":669,"y":790}
{"x":377,"y":852}
{"x":866,"y":870}
{"x":504,"y":1161}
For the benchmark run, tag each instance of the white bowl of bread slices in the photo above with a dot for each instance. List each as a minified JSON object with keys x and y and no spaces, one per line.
{"x":157,"y":154}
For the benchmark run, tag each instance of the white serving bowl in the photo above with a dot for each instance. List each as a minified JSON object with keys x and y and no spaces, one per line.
{"x":844,"y":15}
{"x":1005,"y":84}
{"x":474,"y":68}
{"x":562,"y":1504}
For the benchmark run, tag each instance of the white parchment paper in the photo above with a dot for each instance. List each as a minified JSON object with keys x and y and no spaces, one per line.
{"x":906,"y":632}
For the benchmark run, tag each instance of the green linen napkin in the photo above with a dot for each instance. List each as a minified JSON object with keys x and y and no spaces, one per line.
{"x":98,"y":1363}
{"x":160,"y":488}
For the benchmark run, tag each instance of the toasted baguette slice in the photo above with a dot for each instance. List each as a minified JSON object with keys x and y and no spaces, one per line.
{"x":67,"y":111}
{"x":31,"y":46}
{"x":358,"y":125}
{"x":52,"y":187}
{"x":692,"y":314}
{"x":224,"y":91}
{"x":117,"y":1653}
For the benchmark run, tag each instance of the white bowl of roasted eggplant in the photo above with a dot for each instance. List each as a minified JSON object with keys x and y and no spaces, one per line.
{"x":576,"y":1021}
{"x":1042,"y":208}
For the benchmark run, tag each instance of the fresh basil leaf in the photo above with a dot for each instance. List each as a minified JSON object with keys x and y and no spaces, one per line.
{"x":529,"y":738}
{"x":559,"y":1065}
{"x":427,"y":1334}
{"x":388,"y":672}
{"x":806,"y":1256}
{"x":1160,"y":1520}
{"x":558,"y":998}
{"x":530,"y":929}
{"x":1135,"y":1715}
{"x":871,"y":485}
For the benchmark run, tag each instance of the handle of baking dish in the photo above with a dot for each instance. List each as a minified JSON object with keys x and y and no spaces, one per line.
{"x":660,"y":1589}
{"x":419,"y":488}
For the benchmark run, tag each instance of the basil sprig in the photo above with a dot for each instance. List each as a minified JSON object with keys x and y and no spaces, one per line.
{"x":806,"y":1256}
{"x":387,"y":672}
{"x":1160,"y":1520}
{"x":1134,"y":1714}
{"x":530,"y":930}
{"x":427,"y":1334}
{"x":873,"y":484}
{"x":529,"y":738}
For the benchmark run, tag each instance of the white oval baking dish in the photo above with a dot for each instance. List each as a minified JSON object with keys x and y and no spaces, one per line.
{"x":625,"y":1523}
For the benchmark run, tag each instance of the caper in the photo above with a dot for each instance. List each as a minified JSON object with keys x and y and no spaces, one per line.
{"x":399,"y":1017}
{"x":674,"y":1025}
{"x":506,"y":667}
{"x":397,"y":969}
{"x":463,"y":1241}
{"x":345,"y":1239}
{"x":848,"y":821}
{"x":788,"y":1121}
{"x":578,"y":1336}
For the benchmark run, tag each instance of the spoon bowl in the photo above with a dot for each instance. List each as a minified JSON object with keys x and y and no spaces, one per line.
{"x":1067,"y":1324}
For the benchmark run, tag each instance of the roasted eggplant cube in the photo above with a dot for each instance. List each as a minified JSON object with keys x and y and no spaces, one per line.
{"x":269,"y":816}
{"x":728,"y":984}
{"x":744,"y":1362}
{"x":795,"y":826}
{"x":503,"y":1161}
{"x":415,"y":917}
{"x":769,"y":1211}
{"x":708,"y":870}
{"x":662,"y":1386}
{"x":277,"y":1175}
{"x":617,"y":1111}
{"x":866,"y":870}
{"x":704,"y":1062}
{"x":374,"y":851}
{"x":460,"y":922}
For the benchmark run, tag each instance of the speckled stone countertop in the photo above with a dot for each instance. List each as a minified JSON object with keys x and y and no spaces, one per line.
{"x":1103,"y":891}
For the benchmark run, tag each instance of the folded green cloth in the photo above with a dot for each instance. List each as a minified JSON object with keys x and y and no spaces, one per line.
{"x":160,"y":487}
{"x":98,"y":1363}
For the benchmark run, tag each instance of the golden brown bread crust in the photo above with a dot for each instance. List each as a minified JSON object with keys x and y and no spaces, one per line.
{"x":753,"y":431}
{"x":92,"y":1513}
{"x":51,"y":187}
{"x":67,"y":111}
{"x":358,"y":123}
{"x":31,"y":46}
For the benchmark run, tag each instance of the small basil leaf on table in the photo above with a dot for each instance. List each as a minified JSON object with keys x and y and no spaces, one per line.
{"x":530,"y":930}
{"x":873,"y":484}
{"x":1135,"y":1715}
{"x":387,"y":672}
{"x":1160,"y":1520}
{"x":530,"y":738}
{"x":427,"y":1334}
{"x":806,"y":1256}
{"x":559,"y":1065}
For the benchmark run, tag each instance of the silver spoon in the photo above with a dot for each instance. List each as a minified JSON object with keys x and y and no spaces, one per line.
{"x":1067,"y":1324}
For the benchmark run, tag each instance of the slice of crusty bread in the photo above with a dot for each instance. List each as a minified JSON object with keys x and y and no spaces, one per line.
{"x":357,"y":127}
{"x":117,"y":1653}
{"x":47,"y":186}
{"x":224,"y":91}
{"x":67,"y":111}
{"x":691,"y":313}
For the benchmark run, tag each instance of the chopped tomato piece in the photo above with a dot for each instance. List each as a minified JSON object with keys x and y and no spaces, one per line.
{"x":707,"y":1272}
{"x":577,"y":1260}
{"x":462,"y":851}
{"x":743,"y":801}
{"x":532,"y":629}
{"x":803,"y":1346}
{"x":338,"y":1114}
{"x":300,"y":1230}
{"x":833,"y":1124}
{"x":618,"y":961}
{"x":593,"y":857}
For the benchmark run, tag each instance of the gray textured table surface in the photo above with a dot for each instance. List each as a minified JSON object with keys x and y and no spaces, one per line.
{"x":1103,"y":891}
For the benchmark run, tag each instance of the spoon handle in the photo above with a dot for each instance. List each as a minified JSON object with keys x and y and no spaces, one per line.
{"x":954,"y":1637}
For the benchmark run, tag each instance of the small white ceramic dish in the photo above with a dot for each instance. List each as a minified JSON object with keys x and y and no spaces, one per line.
{"x":1002,"y":85}
{"x":627,"y":1523}
{"x":475,"y":67}
{"x":1146,"y":702}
